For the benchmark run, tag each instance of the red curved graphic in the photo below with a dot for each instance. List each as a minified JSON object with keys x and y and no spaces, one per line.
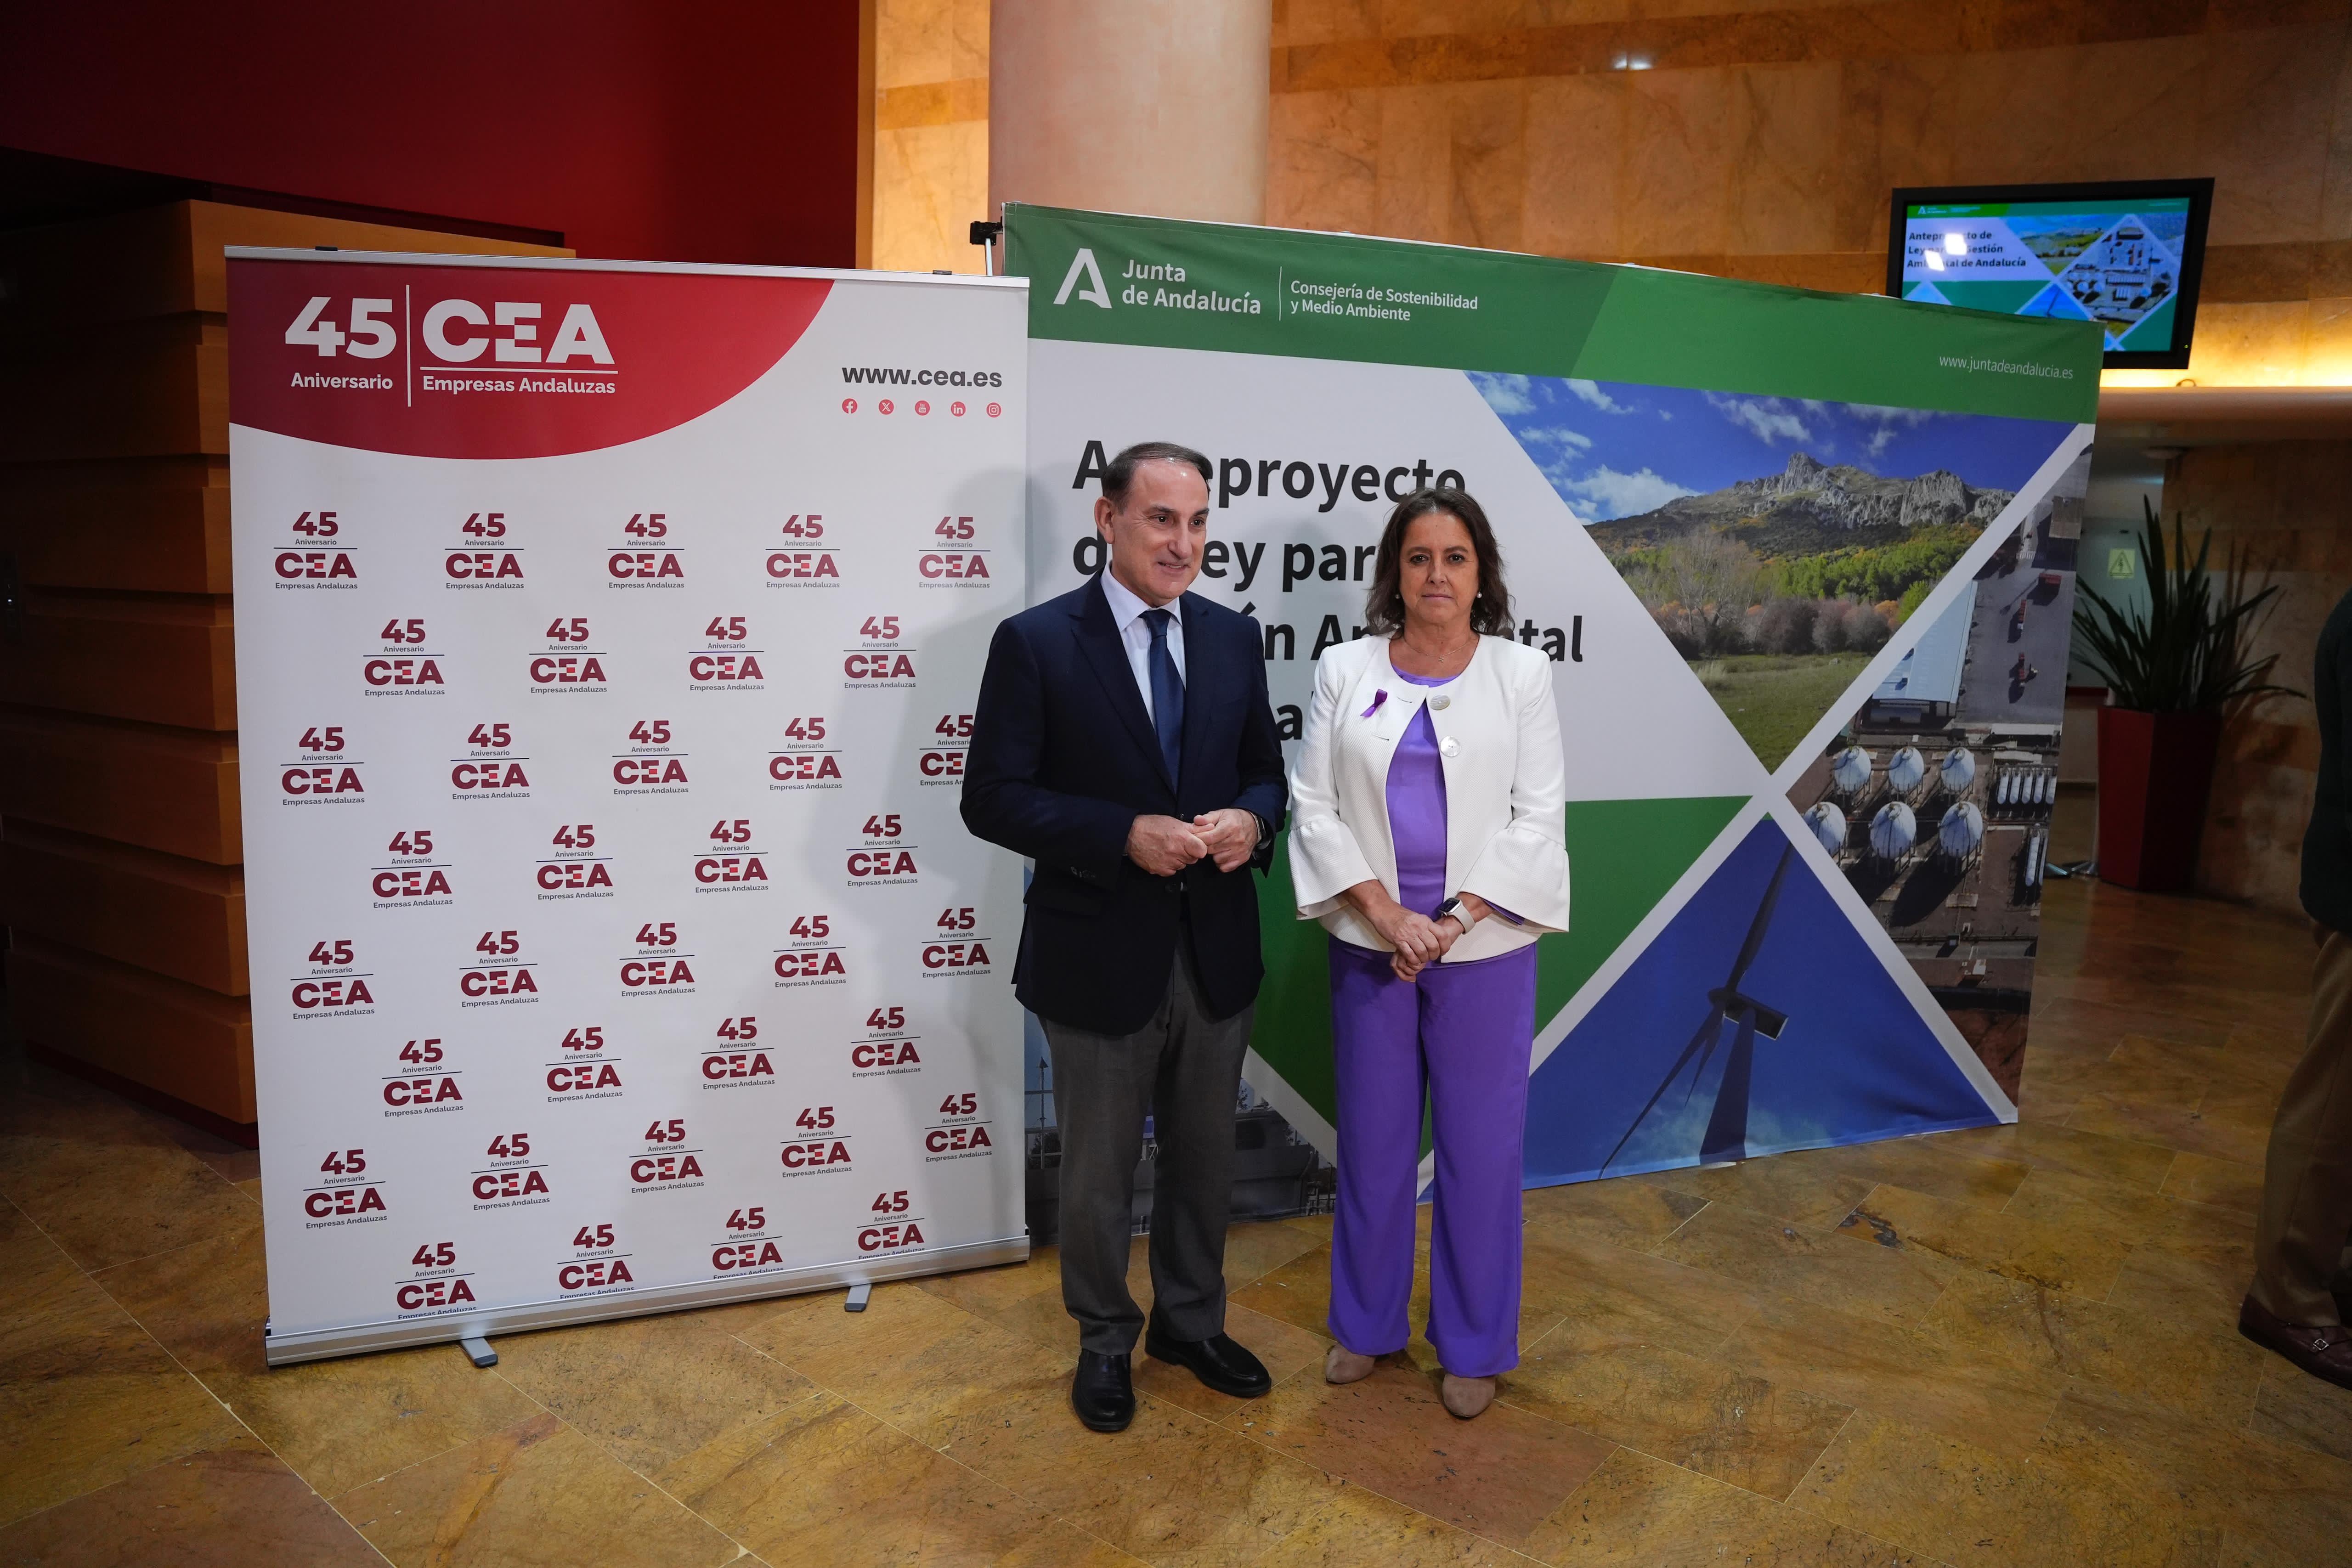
{"x":497,"y":362}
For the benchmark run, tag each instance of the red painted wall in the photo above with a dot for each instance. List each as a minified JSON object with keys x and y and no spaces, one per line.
{"x":692,"y":131}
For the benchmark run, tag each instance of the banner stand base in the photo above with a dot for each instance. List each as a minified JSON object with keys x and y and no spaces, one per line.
{"x":478,"y":1350}
{"x":473,"y":1329}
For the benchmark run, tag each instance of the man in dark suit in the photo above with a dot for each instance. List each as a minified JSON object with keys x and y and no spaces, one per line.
{"x":1124,"y":742}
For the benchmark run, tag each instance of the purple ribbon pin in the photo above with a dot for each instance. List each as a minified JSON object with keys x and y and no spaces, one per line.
{"x":1378,"y":698}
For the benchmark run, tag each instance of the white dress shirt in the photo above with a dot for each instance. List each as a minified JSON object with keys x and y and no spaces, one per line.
{"x":1135,"y":632}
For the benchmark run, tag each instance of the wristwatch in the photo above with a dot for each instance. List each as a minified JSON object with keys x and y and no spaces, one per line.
{"x":1462,"y":915}
{"x":1263,"y":833}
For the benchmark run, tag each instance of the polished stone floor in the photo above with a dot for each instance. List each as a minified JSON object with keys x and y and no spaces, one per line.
{"x":2013,"y":1345}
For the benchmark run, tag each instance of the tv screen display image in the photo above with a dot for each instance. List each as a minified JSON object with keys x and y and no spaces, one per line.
{"x":2126,"y":256}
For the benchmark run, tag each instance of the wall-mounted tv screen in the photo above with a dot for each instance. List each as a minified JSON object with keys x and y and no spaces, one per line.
{"x":2127,"y":254}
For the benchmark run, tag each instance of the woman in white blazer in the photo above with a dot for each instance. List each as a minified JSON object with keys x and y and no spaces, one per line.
{"x":1427,"y":835}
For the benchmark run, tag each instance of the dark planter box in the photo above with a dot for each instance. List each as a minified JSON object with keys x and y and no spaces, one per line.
{"x":2156,"y":772}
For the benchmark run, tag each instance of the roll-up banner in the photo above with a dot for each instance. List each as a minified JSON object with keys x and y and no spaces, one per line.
{"x":607,"y":637}
{"x":1803,"y":563}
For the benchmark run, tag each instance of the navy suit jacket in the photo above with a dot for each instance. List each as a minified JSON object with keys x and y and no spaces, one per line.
{"x":1064,"y":758}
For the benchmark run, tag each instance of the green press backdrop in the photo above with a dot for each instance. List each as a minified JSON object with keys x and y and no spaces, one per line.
{"x":1798,"y":559}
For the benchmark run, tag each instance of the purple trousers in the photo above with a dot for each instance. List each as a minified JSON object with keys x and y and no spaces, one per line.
{"x":1463,"y":1032}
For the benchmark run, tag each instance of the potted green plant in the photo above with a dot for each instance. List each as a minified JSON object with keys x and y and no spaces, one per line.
{"x":2174,"y":672}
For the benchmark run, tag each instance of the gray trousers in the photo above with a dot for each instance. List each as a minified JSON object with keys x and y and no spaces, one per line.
{"x":1184,"y":1068}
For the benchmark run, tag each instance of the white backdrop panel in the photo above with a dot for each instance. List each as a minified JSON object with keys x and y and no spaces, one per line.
{"x":616,"y":943}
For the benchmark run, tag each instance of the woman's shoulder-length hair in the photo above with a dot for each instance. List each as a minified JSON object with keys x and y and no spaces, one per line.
{"x":1490,"y":613}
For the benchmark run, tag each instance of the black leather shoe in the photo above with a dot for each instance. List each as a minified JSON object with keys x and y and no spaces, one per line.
{"x":1103,"y":1391}
{"x":1218,"y":1362}
{"x":2323,"y":1350}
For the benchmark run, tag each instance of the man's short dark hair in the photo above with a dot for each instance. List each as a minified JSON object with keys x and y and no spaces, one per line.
{"x":1120,"y":475}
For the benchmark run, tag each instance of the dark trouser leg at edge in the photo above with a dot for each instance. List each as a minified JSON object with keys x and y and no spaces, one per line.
{"x":2299,"y":1240}
{"x":2306,"y":1213}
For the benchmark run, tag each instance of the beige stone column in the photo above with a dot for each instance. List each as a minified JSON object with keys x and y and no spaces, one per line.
{"x":1132,"y":106}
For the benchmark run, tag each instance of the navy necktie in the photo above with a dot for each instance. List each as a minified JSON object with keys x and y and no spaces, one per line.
{"x":1167,"y":694}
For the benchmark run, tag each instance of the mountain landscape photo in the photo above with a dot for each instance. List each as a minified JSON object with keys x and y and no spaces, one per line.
{"x":1779,"y":588}
{"x":1811,"y":509}
{"x":1777,"y":543}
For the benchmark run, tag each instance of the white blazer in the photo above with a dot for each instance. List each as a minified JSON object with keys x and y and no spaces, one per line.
{"x":1506,"y":790}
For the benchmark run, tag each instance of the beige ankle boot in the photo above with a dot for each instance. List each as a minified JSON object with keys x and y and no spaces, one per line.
{"x":1467,"y":1397}
{"x":1341,"y":1365}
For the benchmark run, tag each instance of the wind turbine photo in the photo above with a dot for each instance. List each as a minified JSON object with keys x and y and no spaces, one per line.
{"x":1726,"y":1125}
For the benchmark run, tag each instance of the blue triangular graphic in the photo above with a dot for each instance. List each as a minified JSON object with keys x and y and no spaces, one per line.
{"x":1834,"y":1052}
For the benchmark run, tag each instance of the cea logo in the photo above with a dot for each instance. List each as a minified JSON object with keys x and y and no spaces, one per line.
{"x":577,"y":1077}
{"x":414,"y":1086}
{"x":954,"y":558}
{"x":604,"y":1269}
{"x":748,"y":1248}
{"x":491,"y":775}
{"x":348,"y":1191}
{"x":426,"y":1295}
{"x":502,"y":973}
{"x":652,"y":966}
{"x":895,"y":1228}
{"x":804,"y":558}
{"x":884,"y":856}
{"x":414,"y":667}
{"x":438,"y":1288}
{"x":324,"y":563}
{"x":416,"y":875}
{"x":720,"y":1066}
{"x":320,"y":992}
{"x":808,"y":760}
{"x":320,"y":781}
{"x":889,"y":1042}
{"x":314,"y":566}
{"x":322,"y":771}
{"x":666,"y":1166}
{"x":480,"y":775}
{"x":427,"y":1091}
{"x":594,"y":1275}
{"x":510,"y":1177}
{"x":623,"y":565}
{"x":737,"y":1059}
{"x":456,"y":332}
{"x":879,"y":664}
{"x":957,"y":1132}
{"x":645,"y":555}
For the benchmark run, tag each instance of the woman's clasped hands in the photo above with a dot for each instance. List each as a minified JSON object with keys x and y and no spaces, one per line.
{"x":1419,"y":941}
